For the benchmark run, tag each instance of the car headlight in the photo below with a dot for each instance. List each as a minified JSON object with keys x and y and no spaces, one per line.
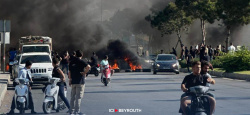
{"x":174,"y":65}
{"x":158,"y":65}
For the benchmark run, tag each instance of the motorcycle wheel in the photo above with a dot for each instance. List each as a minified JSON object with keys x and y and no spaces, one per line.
{"x":47,"y":107}
{"x":22,"y":106}
{"x":96,"y":73}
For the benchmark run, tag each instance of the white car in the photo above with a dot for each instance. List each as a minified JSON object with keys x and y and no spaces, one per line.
{"x":41,"y":69}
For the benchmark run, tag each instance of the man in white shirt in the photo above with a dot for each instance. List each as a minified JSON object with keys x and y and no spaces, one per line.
{"x":231,"y":48}
{"x":25,"y":73}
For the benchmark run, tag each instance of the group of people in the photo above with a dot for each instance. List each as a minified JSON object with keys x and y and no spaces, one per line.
{"x":204,"y":52}
{"x":76,"y":75}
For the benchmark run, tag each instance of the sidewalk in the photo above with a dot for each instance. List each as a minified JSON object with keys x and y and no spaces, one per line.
{"x":4,"y":80}
{"x":224,"y":74}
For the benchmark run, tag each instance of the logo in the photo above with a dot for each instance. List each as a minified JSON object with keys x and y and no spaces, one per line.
{"x":125,"y":110}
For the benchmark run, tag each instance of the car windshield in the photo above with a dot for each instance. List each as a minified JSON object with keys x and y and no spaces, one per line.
{"x":166,"y":57}
{"x":27,"y":49}
{"x":36,"y":59}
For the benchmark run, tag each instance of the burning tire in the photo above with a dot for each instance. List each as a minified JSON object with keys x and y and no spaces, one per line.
{"x":146,"y":70}
{"x":138,"y":70}
{"x":128,"y":70}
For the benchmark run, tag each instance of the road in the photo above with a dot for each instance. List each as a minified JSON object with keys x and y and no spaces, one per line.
{"x":151,"y":95}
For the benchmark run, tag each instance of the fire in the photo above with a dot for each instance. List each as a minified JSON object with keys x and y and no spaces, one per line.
{"x":132,"y":67}
{"x":115,"y":66}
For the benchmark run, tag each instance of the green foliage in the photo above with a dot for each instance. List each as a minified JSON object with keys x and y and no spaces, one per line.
{"x":199,"y":9}
{"x":239,"y":61}
{"x":171,"y":19}
{"x":183,"y":63}
{"x":217,"y":63}
{"x":234,"y":11}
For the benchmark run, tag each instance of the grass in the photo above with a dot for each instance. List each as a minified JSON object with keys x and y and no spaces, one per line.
{"x":238,"y":72}
{"x":243,"y":72}
{"x":219,"y":70}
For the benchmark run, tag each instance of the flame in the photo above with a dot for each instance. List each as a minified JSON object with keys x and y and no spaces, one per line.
{"x":115,"y":66}
{"x":132,"y":67}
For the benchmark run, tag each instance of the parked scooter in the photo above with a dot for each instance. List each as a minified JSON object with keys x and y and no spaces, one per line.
{"x":51,"y":101}
{"x":106,"y":73}
{"x":199,"y":103}
{"x":22,"y":95}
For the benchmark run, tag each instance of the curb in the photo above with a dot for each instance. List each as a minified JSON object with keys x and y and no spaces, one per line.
{"x":4,"y":80}
{"x":224,"y":74}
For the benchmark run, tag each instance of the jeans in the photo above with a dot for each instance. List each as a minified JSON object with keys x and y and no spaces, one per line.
{"x":77,"y":93}
{"x":31,"y":104}
{"x":67,"y":68}
{"x":62,"y":96}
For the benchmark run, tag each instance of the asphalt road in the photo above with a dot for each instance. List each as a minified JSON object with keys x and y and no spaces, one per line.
{"x":149,"y":94}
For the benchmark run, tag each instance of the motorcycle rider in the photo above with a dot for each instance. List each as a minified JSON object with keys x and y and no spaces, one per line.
{"x":194,"y":79}
{"x":93,"y":60}
{"x":25,"y":73}
{"x":58,"y":73}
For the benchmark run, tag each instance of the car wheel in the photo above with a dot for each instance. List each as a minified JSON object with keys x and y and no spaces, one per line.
{"x":177,"y":72}
{"x":154,"y":72}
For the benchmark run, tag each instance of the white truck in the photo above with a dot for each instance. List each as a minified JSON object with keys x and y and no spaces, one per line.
{"x":36,"y":49}
{"x":29,"y":44}
{"x":41,"y":69}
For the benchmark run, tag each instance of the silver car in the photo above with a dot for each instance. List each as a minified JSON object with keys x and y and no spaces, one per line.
{"x":166,"y":63}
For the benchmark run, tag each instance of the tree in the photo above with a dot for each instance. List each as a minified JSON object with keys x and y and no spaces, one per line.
{"x":233,"y":12}
{"x":170,"y":20}
{"x":204,"y":10}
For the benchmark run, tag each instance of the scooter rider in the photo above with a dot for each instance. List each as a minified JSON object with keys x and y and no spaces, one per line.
{"x":204,"y":71}
{"x":104,"y":64}
{"x":58,"y":73}
{"x":25,"y":73}
{"x":194,"y":79}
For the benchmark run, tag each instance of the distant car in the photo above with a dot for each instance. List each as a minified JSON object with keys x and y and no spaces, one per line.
{"x":150,"y":59}
{"x":166,"y":63}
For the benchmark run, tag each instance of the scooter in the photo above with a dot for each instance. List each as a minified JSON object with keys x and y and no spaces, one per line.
{"x":51,"y":101}
{"x":199,"y":103}
{"x":94,"y":70}
{"x":106,"y":73}
{"x":22,"y":95}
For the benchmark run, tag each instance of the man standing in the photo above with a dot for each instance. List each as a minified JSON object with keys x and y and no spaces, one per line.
{"x":231,"y":48}
{"x":77,"y":73}
{"x":189,"y":60}
{"x":25,"y":73}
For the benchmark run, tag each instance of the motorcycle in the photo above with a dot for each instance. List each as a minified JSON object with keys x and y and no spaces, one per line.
{"x":199,"y":103}
{"x":106,"y":72}
{"x":22,"y":95}
{"x":51,"y":101}
{"x":94,"y":70}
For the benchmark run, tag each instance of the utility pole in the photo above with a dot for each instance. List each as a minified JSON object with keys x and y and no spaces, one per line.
{"x":4,"y":45}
